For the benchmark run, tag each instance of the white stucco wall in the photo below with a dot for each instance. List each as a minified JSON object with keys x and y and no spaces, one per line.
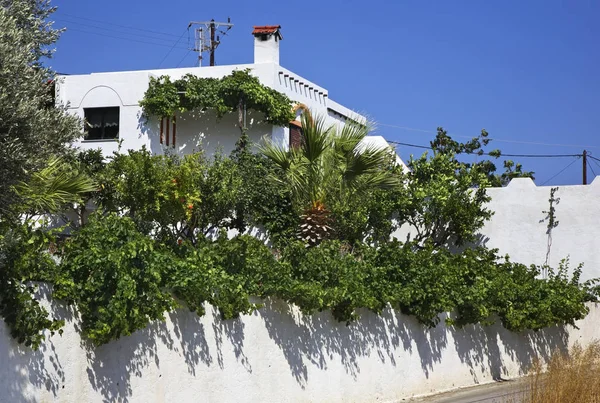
{"x":279,"y":355}
{"x":203,"y":131}
{"x":274,"y":355}
{"x":519,"y":225}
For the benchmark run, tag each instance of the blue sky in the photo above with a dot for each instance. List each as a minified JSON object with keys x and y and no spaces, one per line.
{"x":526,"y":71}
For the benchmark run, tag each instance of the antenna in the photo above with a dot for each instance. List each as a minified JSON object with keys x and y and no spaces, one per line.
{"x":204,"y":34}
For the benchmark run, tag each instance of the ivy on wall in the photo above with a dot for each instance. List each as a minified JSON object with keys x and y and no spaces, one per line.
{"x":231,"y":93}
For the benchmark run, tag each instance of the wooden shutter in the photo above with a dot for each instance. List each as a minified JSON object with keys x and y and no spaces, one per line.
{"x":295,"y":135}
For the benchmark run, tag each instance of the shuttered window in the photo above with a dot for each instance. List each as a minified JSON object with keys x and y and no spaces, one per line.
{"x":295,"y":135}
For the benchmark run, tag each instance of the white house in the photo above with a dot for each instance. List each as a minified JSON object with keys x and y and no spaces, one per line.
{"x":110,"y":103}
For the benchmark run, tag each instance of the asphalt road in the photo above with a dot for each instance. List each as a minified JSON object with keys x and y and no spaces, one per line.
{"x":499,"y":392}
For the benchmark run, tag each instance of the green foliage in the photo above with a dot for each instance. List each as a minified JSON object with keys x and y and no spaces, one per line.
{"x":114,"y":275}
{"x":32,"y":130}
{"x":153,"y":245}
{"x":224,"y":273}
{"x":23,"y":258}
{"x":177,"y":198}
{"x":327,"y":277}
{"x":444,"y":200}
{"x":35,"y":139}
{"x":331,"y":165}
{"x":231,"y":93}
{"x":159,"y":238}
{"x":444,"y":144}
{"x":330,"y":169}
{"x":52,"y":188}
{"x":551,"y":212}
{"x":262,"y":202}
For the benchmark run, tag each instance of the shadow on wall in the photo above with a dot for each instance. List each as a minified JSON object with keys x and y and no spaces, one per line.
{"x":305,"y":341}
{"x":111,"y":366}
{"x":317,"y":338}
{"x":481,"y":348}
{"x":22,"y":371}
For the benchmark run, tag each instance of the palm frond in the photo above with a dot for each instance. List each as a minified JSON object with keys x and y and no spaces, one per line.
{"x":350,"y":136}
{"x":369,"y":161}
{"x":276,"y":153}
{"x":316,"y":137}
{"x":54,"y":186}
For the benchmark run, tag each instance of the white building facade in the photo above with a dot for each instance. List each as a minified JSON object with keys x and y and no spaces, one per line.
{"x":109,"y":102}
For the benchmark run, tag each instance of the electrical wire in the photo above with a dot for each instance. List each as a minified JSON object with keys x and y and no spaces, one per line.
{"x":123,"y":38}
{"x":173,"y":47}
{"x":113,"y":24}
{"x":561,"y":171}
{"x":595,"y":161}
{"x":183,"y":58}
{"x":489,"y":138}
{"x":114,"y":31}
{"x":592,"y":168}
{"x":502,"y":155}
{"x":594,"y":158}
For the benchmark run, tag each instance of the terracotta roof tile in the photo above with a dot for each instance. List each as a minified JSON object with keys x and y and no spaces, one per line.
{"x":266,"y":29}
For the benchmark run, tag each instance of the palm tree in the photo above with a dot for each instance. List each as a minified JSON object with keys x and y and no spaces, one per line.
{"x":51,"y":188}
{"x":329,"y":166}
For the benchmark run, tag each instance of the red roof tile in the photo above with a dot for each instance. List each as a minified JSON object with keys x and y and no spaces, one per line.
{"x":266,"y":29}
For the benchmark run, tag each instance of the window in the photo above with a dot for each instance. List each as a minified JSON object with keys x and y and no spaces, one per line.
{"x":295,"y":134}
{"x":101,"y":123}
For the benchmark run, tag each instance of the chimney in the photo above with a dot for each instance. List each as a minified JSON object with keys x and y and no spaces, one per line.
{"x":266,"y":44}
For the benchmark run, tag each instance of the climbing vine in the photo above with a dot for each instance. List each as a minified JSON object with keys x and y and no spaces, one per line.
{"x":159,"y":240}
{"x":231,"y":93}
{"x":552,"y":222}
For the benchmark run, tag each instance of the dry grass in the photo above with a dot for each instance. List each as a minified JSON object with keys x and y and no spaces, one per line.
{"x":568,"y":378}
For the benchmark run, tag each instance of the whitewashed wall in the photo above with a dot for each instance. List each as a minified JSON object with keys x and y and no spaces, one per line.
{"x":125,"y":89}
{"x":278,"y":355}
{"x":519,"y":225}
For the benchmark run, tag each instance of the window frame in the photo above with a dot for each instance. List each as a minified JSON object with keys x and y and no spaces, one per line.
{"x":105,"y":110}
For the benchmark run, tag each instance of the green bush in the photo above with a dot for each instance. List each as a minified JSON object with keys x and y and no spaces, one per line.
{"x":115,"y":277}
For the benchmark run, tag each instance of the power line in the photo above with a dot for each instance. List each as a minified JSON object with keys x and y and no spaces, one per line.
{"x":116,"y":31}
{"x":594,"y":158}
{"x":561,"y":171}
{"x":592,"y":168}
{"x":596,"y":161}
{"x":489,"y":138}
{"x":183,"y":58}
{"x":173,"y":47}
{"x":409,"y":145}
{"x":501,"y":155}
{"x":116,"y":25}
{"x":123,"y":38}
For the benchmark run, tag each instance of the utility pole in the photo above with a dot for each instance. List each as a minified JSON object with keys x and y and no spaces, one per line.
{"x":212,"y":41}
{"x":205,"y":41}
{"x":585,"y":167}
